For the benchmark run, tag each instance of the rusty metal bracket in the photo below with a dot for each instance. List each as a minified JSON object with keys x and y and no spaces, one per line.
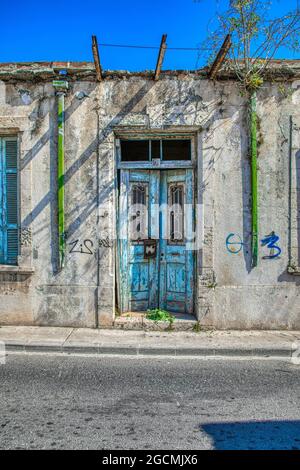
{"x":96,"y":59}
{"x":161,"y":54}
{"x":220,"y":57}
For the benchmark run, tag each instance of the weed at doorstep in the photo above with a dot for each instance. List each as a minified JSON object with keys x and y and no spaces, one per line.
{"x":157,"y":314}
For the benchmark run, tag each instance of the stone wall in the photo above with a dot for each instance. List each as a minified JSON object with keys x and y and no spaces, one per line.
{"x":229,"y":293}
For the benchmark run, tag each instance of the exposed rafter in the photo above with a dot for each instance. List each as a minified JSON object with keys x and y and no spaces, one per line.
{"x":96,"y":58}
{"x":161,"y":54}
{"x":220,"y":57}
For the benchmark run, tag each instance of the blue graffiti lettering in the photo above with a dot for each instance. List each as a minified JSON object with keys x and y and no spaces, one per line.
{"x":234,"y":243}
{"x":271,"y":242}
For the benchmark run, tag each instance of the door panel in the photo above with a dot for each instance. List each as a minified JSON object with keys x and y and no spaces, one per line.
{"x":165,"y":281}
{"x":139,"y":194}
{"x":176,"y":262}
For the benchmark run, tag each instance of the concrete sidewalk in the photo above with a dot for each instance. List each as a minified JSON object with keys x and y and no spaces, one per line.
{"x":280,"y":344}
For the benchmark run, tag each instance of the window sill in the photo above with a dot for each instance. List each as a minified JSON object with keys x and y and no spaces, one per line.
{"x":6,"y":268}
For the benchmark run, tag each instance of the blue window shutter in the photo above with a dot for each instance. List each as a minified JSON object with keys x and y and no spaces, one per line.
{"x":10,"y":200}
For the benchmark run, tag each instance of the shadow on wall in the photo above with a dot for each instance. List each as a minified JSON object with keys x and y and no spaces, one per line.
{"x":246,"y":190}
{"x":252,"y":435}
{"x":285,"y":276}
{"x":298,"y":201}
{"x":51,"y":196}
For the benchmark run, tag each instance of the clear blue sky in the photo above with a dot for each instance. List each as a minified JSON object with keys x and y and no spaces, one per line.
{"x":33,"y":30}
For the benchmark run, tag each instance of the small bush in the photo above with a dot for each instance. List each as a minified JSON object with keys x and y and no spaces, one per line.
{"x":254,"y":81}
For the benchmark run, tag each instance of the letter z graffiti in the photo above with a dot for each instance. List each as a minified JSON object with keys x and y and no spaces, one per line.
{"x":83,"y":248}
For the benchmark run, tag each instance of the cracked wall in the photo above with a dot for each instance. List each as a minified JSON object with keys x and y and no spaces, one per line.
{"x":229,"y":293}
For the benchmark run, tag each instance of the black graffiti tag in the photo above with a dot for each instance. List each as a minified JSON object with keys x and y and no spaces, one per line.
{"x":85,"y":248}
{"x":105,"y":242}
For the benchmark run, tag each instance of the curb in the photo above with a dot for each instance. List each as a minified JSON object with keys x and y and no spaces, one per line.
{"x":100,"y":350}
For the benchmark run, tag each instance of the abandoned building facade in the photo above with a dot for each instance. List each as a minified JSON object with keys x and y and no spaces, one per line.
{"x":171,"y":158}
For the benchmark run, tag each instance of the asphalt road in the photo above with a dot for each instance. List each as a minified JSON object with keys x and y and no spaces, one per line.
{"x":72,"y":402}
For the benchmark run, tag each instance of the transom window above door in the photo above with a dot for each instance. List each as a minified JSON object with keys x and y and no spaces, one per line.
{"x":151,"y":150}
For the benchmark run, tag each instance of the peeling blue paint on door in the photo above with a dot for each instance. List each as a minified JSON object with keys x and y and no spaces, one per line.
{"x":167,"y":280}
{"x":176,"y":262}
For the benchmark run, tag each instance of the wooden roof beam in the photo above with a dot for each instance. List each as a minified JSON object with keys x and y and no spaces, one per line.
{"x":220,"y":57}
{"x":160,"y":58}
{"x":96,"y":59}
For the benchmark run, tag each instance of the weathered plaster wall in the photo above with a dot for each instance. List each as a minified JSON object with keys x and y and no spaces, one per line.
{"x":229,"y":293}
{"x":266,"y":296}
{"x":68,"y":297}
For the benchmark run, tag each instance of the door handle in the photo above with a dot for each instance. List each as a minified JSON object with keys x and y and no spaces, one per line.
{"x":150,"y":248}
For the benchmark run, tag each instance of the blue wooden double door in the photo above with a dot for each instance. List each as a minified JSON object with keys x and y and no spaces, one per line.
{"x":156,"y":265}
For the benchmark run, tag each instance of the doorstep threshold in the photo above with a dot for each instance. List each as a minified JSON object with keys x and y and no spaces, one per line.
{"x":139,"y":321}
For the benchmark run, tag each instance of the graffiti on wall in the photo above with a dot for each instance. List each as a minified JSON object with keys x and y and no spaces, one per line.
{"x":26,"y":236}
{"x":105,"y":243}
{"x":85,"y":248}
{"x":271,"y":242}
{"x":234,"y":243}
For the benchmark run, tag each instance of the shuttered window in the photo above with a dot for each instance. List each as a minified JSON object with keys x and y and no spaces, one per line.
{"x":9,"y":232}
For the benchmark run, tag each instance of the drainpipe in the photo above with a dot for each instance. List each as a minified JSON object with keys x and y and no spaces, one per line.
{"x":61,"y":86}
{"x":254,"y":197}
